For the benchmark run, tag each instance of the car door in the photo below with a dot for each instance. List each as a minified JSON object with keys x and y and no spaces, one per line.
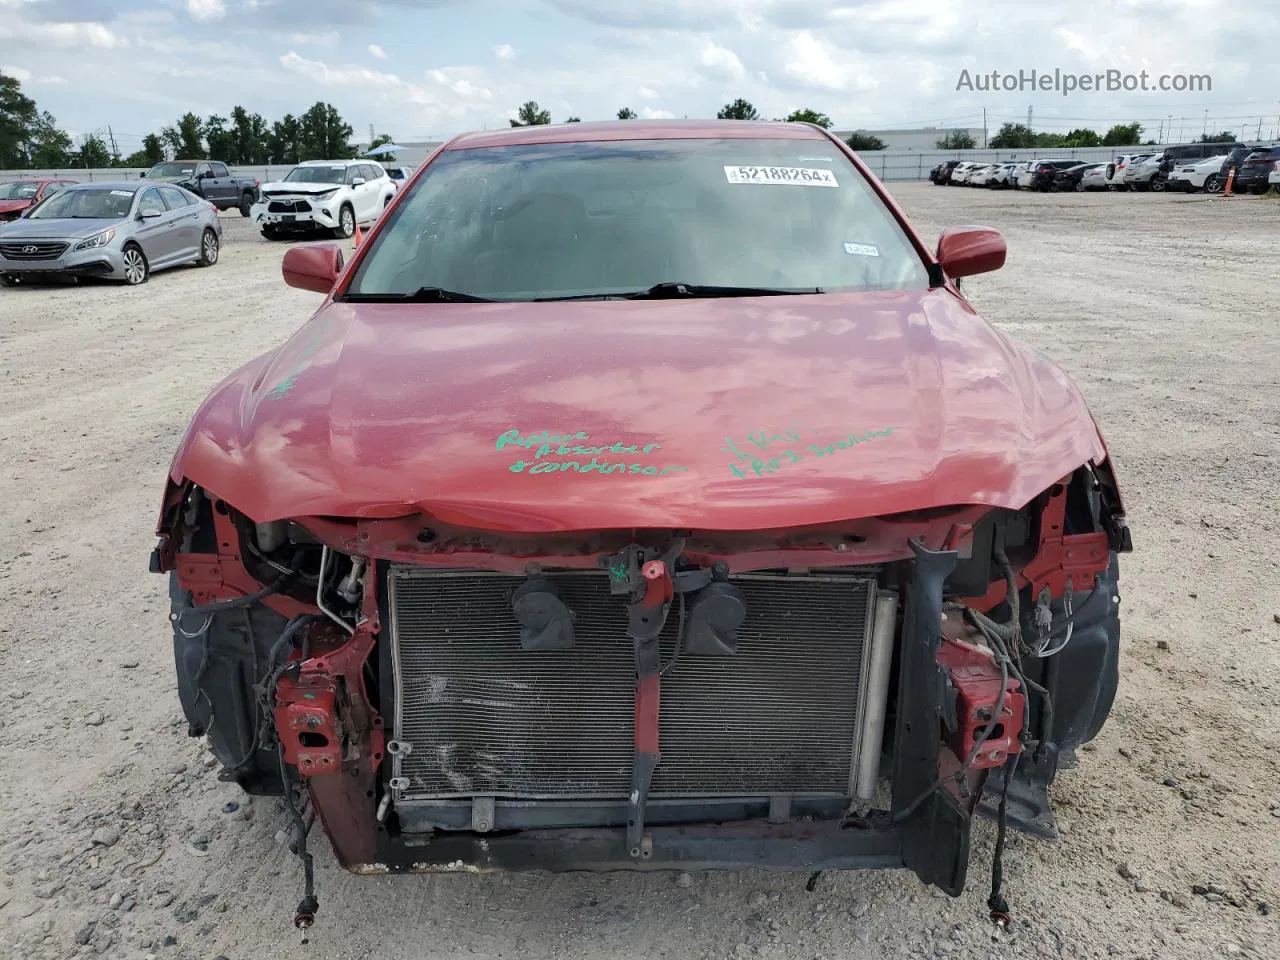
{"x":222,"y":184}
{"x":158,"y":234}
{"x":359,"y":195}
{"x":184,"y":212}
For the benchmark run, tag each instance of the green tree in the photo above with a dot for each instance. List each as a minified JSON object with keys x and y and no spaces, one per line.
{"x":626,"y":113}
{"x":49,"y":147}
{"x":955,"y":140}
{"x":1082,"y":137}
{"x":324,"y":135}
{"x":284,"y":140}
{"x":93,"y":153}
{"x":1012,"y":136}
{"x":860,"y":140}
{"x":17,"y":117}
{"x":573,"y":120}
{"x":1226,"y":136}
{"x":531,"y":115}
{"x":152,"y":149}
{"x":805,"y":115}
{"x":1123,"y":135}
{"x":221,"y":139}
{"x":738,"y":110}
{"x":184,"y":138}
{"x":1050,"y":140}
{"x":252,"y":137}
{"x":378,"y":141}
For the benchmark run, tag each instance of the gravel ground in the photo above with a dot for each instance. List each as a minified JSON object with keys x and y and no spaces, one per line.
{"x":120,"y":841}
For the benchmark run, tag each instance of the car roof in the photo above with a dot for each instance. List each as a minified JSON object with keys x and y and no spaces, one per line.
{"x":336,"y":163}
{"x":131,"y":185}
{"x":589,"y":131}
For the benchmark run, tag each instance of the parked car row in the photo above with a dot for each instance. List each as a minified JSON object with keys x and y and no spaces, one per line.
{"x":1189,"y":167}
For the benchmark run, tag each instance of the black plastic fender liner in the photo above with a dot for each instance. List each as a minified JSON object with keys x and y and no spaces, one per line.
{"x":935,"y":834}
{"x":218,"y":658}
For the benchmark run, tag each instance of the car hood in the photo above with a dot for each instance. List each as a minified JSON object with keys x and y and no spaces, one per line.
{"x":9,"y":206}
{"x":178,"y":179}
{"x":727,"y":414}
{"x":302,"y":188}
{"x":68,"y":228}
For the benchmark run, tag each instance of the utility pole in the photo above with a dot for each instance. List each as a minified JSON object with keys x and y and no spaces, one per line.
{"x":1028,"y":116}
{"x":1259,"y":128}
{"x":1160,"y":135}
{"x":984,"y":128}
{"x":371,"y":136}
{"x":115,"y":151}
{"x":1204,"y":132}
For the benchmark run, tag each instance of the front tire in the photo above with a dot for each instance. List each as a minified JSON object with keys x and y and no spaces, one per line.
{"x":209,"y":248}
{"x":346,"y":227}
{"x":136,"y":269}
{"x":1213,"y":183}
{"x":271,"y":233}
{"x":246,"y":205}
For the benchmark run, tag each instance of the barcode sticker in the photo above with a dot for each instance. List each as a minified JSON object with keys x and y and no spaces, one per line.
{"x":797,"y":176}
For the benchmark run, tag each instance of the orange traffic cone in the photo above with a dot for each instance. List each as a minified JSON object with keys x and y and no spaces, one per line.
{"x":1231,"y":177}
{"x":359,"y":235}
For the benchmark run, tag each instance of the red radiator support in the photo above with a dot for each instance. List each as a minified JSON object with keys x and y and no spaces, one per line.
{"x":975,"y":675}
{"x":309,"y":723}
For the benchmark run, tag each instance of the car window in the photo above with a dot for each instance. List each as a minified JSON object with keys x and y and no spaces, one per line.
{"x":610,"y":218}
{"x":202,"y":169}
{"x":151,"y":202}
{"x":174,"y":198}
{"x":22,"y":190}
{"x":321,"y":173}
{"x":219,"y":169}
{"x":373,"y":173}
{"x":86,"y":203}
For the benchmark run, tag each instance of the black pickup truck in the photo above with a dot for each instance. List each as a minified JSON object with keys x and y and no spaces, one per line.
{"x":211,"y":180}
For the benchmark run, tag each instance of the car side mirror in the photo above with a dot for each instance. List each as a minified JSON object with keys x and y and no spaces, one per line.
{"x":965,"y":251}
{"x":358,"y":181}
{"x":148,"y":214}
{"x":314,"y":268}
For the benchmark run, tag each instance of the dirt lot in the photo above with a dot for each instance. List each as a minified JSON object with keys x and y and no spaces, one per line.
{"x":117,"y":841}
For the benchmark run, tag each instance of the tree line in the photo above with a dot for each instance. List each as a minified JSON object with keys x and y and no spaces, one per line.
{"x":31,"y":138}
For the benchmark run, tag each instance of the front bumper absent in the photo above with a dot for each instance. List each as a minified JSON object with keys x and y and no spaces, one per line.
{"x":744,"y":845}
{"x":303,"y":220}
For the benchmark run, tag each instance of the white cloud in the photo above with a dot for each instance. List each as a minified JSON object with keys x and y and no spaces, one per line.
{"x":648,"y":93}
{"x":721,"y":61}
{"x":64,"y":35}
{"x":18,"y":73}
{"x":648,"y":113}
{"x":460,"y":85}
{"x":326,"y":38}
{"x":206,"y":11}
{"x":377,"y":51}
{"x":504,"y":51}
{"x":811,"y":65}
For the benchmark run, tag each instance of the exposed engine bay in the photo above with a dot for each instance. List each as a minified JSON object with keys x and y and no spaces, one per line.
{"x":842,"y":696}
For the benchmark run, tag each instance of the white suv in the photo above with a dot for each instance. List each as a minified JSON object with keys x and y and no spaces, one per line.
{"x":327,"y":194}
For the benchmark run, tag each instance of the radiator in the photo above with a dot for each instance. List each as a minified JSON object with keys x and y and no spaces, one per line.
{"x":483,"y":717}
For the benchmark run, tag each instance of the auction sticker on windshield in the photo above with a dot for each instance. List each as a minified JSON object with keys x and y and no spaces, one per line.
{"x":800,"y":176}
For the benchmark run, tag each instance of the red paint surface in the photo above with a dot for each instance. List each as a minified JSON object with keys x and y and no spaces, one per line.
{"x":377,"y":411}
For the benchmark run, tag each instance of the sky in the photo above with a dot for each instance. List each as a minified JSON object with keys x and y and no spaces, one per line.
{"x":425,"y":69}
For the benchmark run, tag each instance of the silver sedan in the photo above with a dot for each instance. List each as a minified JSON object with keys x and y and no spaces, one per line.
{"x":120,"y":231}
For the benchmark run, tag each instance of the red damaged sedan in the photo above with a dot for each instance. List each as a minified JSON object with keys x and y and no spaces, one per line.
{"x":18,"y":196}
{"x":646,"y":496}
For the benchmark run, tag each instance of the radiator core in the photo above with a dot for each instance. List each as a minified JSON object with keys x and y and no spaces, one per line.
{"x":486,"y":718}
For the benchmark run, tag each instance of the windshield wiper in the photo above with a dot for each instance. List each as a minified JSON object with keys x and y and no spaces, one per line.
{"x":677,"y":291}
{"x":421,"y":295}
